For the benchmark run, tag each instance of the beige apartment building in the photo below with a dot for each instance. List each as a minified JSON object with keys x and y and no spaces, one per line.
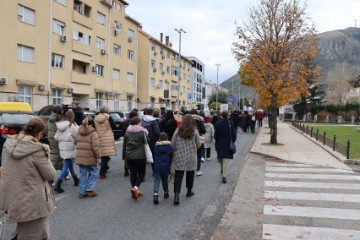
{"x":159,"y":73}
{"x":61,"y":51}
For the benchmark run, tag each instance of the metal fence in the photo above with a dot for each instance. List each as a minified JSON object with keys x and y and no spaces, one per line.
{"x":344,"y":149}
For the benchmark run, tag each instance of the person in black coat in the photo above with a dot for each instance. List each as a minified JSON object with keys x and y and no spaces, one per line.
{"x":78,"y":113}
{"x":124,"y":128}
{"x":224,"y":133}
{"x":168,"y":124}
{"x":235,"y":118}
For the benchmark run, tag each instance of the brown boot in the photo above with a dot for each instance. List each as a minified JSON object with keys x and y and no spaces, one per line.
{"x":92,"y":193}
{"x":134,"y":193}
{"x":140,"y":194}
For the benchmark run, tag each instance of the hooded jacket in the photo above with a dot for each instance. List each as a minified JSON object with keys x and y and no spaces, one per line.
{"x":199,"y":120}
{"x":87,"y":146}
{"x":105,"y":134}
{"x":65,"y":135}
{"x":134,"y":143}
{"x":152,"y":126}
{"x":24,"y":189}
{"x":162,"y":157}
{"x":54,"y":146}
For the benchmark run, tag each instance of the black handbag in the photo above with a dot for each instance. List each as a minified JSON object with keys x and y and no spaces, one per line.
{"x":232,"y":145}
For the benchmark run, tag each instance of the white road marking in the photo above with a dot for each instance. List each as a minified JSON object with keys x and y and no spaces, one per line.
{"x":306,"y":170}
{"x":284,"y":232}
{"x":288,"y":165}
{"x":312,"y":176}
{"x":311,"y":196}
{"x":313,"y":212}
{"x":286,"y":184}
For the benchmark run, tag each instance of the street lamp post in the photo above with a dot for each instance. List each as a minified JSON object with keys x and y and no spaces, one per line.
{"x":217,"y":84}
{"x":179,"y":77}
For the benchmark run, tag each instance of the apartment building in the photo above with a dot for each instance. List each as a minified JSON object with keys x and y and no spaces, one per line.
{"x":197,"y":83}
{"x":61,"y":51}
{"x":211,"y":88}
{"x":159,"y":73}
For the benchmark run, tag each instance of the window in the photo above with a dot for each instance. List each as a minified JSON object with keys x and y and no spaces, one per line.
{"x":167,"y":85}
{"x":130,"y":55}
{"x":100,"y":43}
{"x":116,"y":74}
{"x":161,"y":67}
{"x":160,"y":83}
{"x":130,"y":33}
{"x":153,"y":47}
{"x":26,"y":15}
{"x":117,"y":49}
{"x":81,"y":37}
{"x":117,"y":27}
{"x":129,"y":103}
{"x":57,"y":61}
{"x":174,"y":70}
{"x":99,"y":70}
{"x":99,"y":97}
{"x":25,"y":94}
{"x":25,"y":53}
{"x":116,"y":5}
{"x":152,"y":63}
{"x":82,"y":8}
{"x":58,"y":27}
{"x":56,"y":96}
{"x":161,"y":51}
{"x":168,"y":54}
{"x":129,"y":77}
{"x":168,"y":69}
{"x":174,"y":87}
{"x":62,"y":2}
{"x":100,"y":18}
{"x":152,"y":82}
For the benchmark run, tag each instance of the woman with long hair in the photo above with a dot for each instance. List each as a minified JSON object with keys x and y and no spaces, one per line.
{"x":135,"y":139}
{"x":224,"y":133}
{"x":26,"y":195}
{"x":185,"y":143}
{"x":65,"y":135}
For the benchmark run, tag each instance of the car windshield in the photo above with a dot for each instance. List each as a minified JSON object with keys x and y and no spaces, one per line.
{"x":16,"y":118}
{"x":115,"y":116}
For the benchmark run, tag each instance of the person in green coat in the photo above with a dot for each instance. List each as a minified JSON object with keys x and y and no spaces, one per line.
{"x":56,"y":116}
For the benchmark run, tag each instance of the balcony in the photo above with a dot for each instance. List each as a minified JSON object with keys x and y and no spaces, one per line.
{"x":81,"y":48}
{"x":83,"y":19}
{"x":77,"y":77}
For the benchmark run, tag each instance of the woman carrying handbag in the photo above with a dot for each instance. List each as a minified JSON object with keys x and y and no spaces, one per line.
{"x":225,"y":137}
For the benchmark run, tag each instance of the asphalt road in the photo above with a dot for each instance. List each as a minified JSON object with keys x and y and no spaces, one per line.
{"x":115,"y":215}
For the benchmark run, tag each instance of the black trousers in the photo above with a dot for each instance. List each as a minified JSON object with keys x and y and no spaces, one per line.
{"x":104,"y":165}
{"x":137,"y":171}
{"x":207,"y":152}
{"x":179,"y":177}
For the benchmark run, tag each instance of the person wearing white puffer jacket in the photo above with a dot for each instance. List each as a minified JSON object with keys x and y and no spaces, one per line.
{"x":65,"y":136}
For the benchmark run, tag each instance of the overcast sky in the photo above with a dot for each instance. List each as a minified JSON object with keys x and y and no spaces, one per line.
{"x":210,"y":25}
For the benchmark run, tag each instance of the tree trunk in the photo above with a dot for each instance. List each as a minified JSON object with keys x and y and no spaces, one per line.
{"x":273,"y":122}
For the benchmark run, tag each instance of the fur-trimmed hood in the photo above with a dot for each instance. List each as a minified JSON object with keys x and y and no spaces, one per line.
{"x":197,"y":117}
{"x":137,"y":128}
{"x":162,"y":143}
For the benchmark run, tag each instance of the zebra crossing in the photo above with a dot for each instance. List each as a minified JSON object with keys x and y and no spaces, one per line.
{"x":310,"y":202}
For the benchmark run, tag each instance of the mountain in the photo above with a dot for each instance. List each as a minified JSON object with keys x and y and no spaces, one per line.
{"x":339,"y":47}
{"x":235,"y":88}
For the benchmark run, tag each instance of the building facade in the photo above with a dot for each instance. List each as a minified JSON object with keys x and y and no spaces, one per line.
{"x":197,"y":83}
{"x":159,"y":73}
{"x":69,"y":50}
{"x":211,"y":88}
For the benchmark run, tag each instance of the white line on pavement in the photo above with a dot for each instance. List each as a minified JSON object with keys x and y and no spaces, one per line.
{"x":283,"y":232}
{"x":312,"y":176}
{"x":314,"y":212}
{"x":317,"y":170}
{"x":311,"y":196}
{"x":312,"y":185}
{"x":289,"y":165}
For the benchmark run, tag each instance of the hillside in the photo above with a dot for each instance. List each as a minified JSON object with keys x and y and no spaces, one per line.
{"x":232,"y":85}
{"x":339,"y":47}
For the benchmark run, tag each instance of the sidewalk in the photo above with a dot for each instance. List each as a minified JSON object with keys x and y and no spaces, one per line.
{"x":293,"y":146}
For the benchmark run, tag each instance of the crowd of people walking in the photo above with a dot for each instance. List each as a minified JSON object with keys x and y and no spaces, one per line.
{"x":174,"y":142}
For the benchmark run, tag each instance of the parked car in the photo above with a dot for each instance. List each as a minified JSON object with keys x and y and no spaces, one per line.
{"x":13,"y":117}
{"x":119,"y":119}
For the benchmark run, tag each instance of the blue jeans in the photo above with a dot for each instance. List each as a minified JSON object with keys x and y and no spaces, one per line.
{"x":164,"y":179}
{"x":68,"y":166}
{"x":88,"y":177}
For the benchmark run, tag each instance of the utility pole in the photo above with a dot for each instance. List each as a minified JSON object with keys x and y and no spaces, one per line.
{"x":355,"y":22}
{"x":179,"y":76}
{"x":217,"y":84}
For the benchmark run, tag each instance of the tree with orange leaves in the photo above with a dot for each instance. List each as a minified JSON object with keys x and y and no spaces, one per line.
{"x":271,"y":48}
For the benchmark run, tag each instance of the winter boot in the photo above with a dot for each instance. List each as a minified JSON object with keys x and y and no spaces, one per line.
{"x":58,"y":188}
{"x":189,"y":193}
{"x":76,"y":181}
{"x":156,"y":199}
{"x":176,"y":199}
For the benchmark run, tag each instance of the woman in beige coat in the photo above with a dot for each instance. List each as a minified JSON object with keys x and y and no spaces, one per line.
{"x":26,"y":195}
